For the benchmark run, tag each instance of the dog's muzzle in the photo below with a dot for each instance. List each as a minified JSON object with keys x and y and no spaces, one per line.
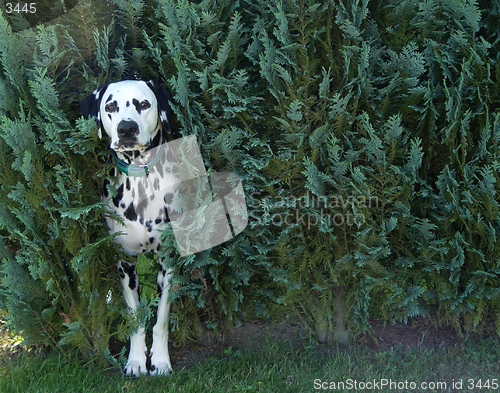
{"x":127,"y":133}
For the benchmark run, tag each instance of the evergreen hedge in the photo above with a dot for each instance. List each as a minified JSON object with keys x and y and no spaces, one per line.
{"x":365,"y":134}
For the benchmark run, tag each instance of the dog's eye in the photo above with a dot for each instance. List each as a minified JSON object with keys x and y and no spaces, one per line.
{"x":110,"y":107}
{"x":145,"y":105}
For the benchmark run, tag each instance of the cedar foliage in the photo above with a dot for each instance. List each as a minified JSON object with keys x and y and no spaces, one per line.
{"x":365,"y":134}
{"x":56,"y":259}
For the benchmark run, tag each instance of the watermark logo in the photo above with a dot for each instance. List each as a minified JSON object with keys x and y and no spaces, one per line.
{"x":23,"y":15}
{"x":208,"y":209}
{"x":310,"y":210}
{"x":205,"y":210}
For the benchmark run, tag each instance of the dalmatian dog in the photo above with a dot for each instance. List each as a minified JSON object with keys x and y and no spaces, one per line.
{"x":135,"y":116}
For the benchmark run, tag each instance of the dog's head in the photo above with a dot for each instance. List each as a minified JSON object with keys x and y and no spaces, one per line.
{"x":130,"y":112}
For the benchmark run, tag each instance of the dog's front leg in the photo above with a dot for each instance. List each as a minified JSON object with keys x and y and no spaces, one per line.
{"x":160,"y":358}
{"x":136,"y":363}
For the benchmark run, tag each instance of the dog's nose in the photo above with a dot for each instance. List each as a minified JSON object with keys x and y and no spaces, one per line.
{"x":127,"y":129}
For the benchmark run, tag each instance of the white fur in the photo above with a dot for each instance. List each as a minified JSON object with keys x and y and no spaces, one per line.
{"x":143,"y":233}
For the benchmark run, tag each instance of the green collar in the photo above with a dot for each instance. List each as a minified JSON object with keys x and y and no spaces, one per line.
{"x":139,"y":170}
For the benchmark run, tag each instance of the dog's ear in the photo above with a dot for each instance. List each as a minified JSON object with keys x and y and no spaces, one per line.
{"x":90,"y":107}
{"x":163,"y":98}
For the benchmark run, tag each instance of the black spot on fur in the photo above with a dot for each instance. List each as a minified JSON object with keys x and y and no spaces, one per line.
{"x":127,"y":184}
{"x":127,"y":157}
{"x":151,"y":240}
{"x":141,"y":207}
{"x":158,"y":221}
{"x":156,"y":140}
{"x":130,"y":213}
{"x":109,"y":98}
{"x":149,"y":225}
{"x":140,"y":189}
{"x":168,"y":198}
{"x":138,"y":105}
{"x":127,"y":104}
{"x":119,"y":196}
{"x":113,"y":107}
{"x":129,"y":270}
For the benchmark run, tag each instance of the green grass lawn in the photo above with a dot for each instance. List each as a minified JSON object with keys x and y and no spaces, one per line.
{"x":277,"y":367}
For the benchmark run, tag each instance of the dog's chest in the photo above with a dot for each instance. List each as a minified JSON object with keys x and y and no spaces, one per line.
{"x":142,"y":203}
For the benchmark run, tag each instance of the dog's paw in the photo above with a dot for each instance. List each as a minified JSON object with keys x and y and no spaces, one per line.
{"x":160,"y":362}
{"x":135,"y":369}
{"x":160,"y":358}
{"x":162,"y":368}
